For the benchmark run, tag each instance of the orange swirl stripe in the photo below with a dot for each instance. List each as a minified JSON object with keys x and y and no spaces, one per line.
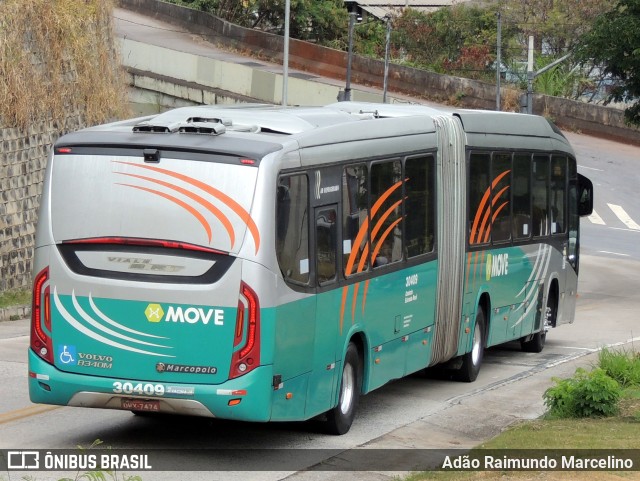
{"x":365,"y":252}
{"x":483,"y":214}
{"x":228,"y":201}
{"x":203,"y":202}
{"x":379,"y":245}
{"x":357,"y":242}
{"x":493,"y":219}
{"x":181,"y":203}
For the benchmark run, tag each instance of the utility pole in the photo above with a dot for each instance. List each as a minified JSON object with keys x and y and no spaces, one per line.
{"x":531,"y":75}
{"x":499,"y":63}
{"x":352,"y":22}
{"x":386,"y":60}
{"x":285,"y":57}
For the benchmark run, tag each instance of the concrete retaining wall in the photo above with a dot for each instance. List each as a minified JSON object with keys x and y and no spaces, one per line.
{"x":322,"y":61}
{"x":23,"y":158}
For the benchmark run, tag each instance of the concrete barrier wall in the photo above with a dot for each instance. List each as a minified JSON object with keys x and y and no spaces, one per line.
{"x":23,"y":159}
{"x":211,"y":81}
{"x":572,"y":115}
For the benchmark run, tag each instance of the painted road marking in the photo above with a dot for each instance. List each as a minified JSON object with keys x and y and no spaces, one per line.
{"x":26,"y":412}
{"x":595,"y":218}
{"x":614,"y":253}
{"x":624,"y":217}
{"x":590,"y":168}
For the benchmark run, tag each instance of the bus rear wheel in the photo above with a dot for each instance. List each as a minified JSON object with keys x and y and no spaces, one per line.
{"x":472,"y":360}
{"x":340,"y":418}
{"x":535,"y":343}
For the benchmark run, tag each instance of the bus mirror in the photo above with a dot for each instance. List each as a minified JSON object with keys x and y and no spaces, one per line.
{"x":585,"y":196}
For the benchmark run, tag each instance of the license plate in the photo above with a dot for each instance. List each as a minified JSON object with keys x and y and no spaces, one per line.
{"x":152,"y":405}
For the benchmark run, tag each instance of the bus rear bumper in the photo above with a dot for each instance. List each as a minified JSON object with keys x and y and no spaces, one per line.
{"x":247,"y":398}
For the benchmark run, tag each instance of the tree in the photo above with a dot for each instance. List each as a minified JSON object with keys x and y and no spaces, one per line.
{"x":613,"y":43}
{"x":555,"y":25}
{"x":321,"y":21}
{"x":457,"y":40}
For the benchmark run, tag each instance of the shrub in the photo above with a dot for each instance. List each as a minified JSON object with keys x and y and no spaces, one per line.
{"x":623,"y":366}
{"x":57,"y":57}
{"x":586,"y":394}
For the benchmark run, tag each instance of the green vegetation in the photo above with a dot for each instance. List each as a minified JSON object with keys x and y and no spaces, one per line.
{"x":597,"y":409}
{"x":623,"y":366}
{"x":15,"y":298}
{"x":322,"y":21}
{"x":587,"y":394}
{"x":58,"y":57}
{"x":612,"y":45}
{"x":459,"y":40}
{"x":101,"y":476}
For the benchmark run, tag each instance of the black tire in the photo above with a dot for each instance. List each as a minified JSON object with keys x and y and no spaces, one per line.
{"x":535,"y":343}
{"x":340,"y":418}
{"x":147,"y":414}
{"x":472,"y":361}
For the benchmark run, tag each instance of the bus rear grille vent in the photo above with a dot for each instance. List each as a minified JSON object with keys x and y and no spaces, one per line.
{"x":148,"y":127}
{"x":193,"y":125}
{"x":206,"y":120}
{"x":202,"y":128}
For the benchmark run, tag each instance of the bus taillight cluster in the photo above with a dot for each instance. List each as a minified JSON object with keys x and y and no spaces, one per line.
{"x":41,"y":317}
{"x":246,"y":356}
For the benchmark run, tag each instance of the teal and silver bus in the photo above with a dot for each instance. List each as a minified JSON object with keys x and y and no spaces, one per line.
{"x":262,"y":263}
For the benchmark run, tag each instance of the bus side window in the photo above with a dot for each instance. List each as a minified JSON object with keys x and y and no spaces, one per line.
{"x":355,"y":211}
{"x":558,"y":194}
{"x":419,"y":205}
{"x":479,"y":201}
{"x":500,"y":196}
{"x":521,"y":196}
{"x":292,"y":228}
{"x":386,"y":212}
{"x":539,"y":191}
{"x":326,"y":245}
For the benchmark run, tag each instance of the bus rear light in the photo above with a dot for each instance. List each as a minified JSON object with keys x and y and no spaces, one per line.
{"x":41,"y":317}
{"x":239,"y":324}
{"x":246,"y":357}
{"x":132,"y":241}
{"x":47,"y":309}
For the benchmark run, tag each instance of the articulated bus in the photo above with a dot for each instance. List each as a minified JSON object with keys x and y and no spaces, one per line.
{"x":263,"y":263}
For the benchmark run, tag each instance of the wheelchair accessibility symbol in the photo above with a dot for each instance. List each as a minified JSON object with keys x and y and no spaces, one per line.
{"x":67,"y":354}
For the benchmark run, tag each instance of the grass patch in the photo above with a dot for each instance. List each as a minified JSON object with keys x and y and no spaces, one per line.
{"x":621,"y":365}
{"x":15,"y":298}
{"x":604,"y":433}
{"x":619,"y":432}
{"x":577,"y":431}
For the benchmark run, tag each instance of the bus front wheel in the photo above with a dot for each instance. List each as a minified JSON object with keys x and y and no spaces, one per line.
{"x":472,"y":360}
{"x":340,"y":418}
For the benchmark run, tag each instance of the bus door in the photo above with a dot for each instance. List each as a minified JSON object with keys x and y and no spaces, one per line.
{"x":572,"y":250}
{"x":322,"y":384}
{"x":558,"y":190}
